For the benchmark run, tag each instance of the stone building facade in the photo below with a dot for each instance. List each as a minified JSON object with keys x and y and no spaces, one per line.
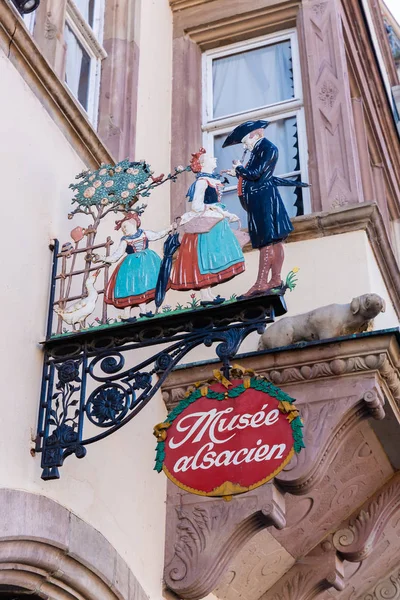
{"x":92,"y":81}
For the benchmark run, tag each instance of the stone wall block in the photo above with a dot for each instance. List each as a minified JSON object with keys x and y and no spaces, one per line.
{"x":136,"y":592}
{"x":121,"y":577}
{"x":102,"y":555}
{"x":33,"y":518}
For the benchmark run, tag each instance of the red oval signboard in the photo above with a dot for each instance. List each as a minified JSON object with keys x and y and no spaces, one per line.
{"x":221,"y":441}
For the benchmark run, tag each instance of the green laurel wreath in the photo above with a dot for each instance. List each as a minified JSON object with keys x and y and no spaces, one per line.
{"x":261,"y":385}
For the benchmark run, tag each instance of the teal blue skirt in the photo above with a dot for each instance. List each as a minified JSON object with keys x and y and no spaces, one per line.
{"x":218,"y":249}
{"x":134,"y":280}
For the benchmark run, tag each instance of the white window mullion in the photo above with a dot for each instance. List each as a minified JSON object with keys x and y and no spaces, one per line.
{"x":296,"y":66}
{"x":29,"y":20}
{"x":95,"y":93}
{"x":206,"y":88}
{"x":303,"y":157}
{"x":274,"y":112}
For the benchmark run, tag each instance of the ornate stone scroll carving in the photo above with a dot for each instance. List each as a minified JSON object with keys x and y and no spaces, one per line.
{"x":369,"y":539}
{"x":321,"y":569}
{"x":337,"y":367}
{"x":302,"y":369}
{"x":204,"y":534}
{"x":330,"y":104}
{"x":50,"y":29}
{"x":358,"y":470}
{"x":327,"y":425}
{"x":256,"y":568}
{"x":356,"y":542}
{"x":388,"y":588}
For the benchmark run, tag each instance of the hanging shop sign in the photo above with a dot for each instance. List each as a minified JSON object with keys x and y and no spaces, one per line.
{"x":228,"y":437}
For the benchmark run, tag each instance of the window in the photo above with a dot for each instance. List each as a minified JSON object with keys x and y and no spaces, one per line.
{"x":259,"y":79}
{"x":83,"y":36}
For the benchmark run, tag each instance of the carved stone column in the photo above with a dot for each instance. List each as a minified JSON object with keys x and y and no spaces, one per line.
{"x":328,"y":93}
{"x":49,"y":32}
{"x":186,"y":114}
{"x":119,"y":79}
{"x":204,"y":534}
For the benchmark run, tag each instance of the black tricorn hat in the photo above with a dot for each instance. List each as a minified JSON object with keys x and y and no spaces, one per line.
{"x":236,"y":136}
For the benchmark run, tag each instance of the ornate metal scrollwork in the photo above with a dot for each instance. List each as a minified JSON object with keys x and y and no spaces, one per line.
{"x":87,"y":380}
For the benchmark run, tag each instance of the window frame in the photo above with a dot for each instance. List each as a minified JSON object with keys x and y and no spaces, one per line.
{"x":212,"y":127}
{"x":91,"y":41}
{"x":29,"y":20}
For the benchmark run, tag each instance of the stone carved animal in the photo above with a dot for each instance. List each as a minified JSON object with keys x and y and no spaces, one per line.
{"x":325,"y":322}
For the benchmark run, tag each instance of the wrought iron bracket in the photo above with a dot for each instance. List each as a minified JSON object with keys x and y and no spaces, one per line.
{"x":91,"y":380}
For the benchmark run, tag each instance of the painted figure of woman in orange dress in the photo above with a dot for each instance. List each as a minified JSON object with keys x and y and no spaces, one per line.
{"x":210,"y":252}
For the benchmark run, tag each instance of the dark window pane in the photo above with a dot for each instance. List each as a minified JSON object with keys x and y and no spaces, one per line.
{"x":77,"y":71}
{"x":293,"y":199}
{"x":232,"y":202}
{"x":83,"y":90}
{"x":91,"y":13}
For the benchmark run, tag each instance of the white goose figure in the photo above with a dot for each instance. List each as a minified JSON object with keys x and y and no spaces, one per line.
{"x":80,"y":310}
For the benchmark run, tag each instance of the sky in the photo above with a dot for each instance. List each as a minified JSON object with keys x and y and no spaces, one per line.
{"x":394,"y":7}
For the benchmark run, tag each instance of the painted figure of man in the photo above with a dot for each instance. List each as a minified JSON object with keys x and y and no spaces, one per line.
{"x":268,"y":221}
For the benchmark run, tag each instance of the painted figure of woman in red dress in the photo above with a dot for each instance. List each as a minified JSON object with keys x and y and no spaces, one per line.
{"x":210,"y":252}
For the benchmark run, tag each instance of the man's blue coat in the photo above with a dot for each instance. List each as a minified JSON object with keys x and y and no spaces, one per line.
{"x":268,"y":220}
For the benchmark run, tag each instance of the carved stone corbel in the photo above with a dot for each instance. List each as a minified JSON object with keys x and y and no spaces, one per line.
{"x":369,"y":537}
{"x":326,"y":426}
{"x":203,"y":534}
{"x":320,"y":570}
{"x":358,"y":540}
{"x":389,"y":587}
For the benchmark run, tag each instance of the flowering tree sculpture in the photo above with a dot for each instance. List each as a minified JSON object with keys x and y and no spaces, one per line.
{"x":110,"y":189}
{"x":116,"y":188}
